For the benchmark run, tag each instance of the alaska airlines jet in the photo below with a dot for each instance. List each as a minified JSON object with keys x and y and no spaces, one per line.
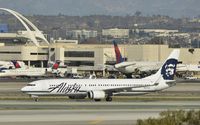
{"x":131,"y":67}
{"x":98,"y":89}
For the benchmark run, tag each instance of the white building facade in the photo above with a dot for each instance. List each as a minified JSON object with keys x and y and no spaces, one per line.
{"x":116,"y":33}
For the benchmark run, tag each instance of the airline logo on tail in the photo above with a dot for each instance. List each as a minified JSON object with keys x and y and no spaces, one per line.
{"x":16,"y":64}
{"x":56,"y":65}
{"x":169,"y":68}
{"x":119,"y":58}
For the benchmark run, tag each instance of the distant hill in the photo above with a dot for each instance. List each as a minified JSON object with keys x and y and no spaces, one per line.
{"x":174,"y":8}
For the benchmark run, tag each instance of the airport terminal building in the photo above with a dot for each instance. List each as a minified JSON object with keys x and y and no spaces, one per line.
{"x":91,"y":54}
{"x":37,"y":51}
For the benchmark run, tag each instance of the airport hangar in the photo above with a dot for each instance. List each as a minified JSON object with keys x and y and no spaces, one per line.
{"x":37,"y":51}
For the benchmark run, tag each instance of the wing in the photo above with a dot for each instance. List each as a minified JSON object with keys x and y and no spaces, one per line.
{"x":124,"y":64}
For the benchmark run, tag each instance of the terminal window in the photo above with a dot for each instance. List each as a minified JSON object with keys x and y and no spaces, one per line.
{"x":80,"y":63}
{"x":9,"y":52}
{"x":39,"y":53}
{"x":79,"y":54}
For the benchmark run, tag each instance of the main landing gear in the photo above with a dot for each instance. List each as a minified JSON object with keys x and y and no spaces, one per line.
{"x":36,"y":99}
{"x":108,"y":98}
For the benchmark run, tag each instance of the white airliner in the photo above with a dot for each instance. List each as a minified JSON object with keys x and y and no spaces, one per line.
{"x":11,"y":64}
{"x":188,"y":67}
{"x":26,"y":71}
{"x":6,"y":65}
{"x":98,"y":89}
{"x":135,"y":66}
{"x":188,"y":71}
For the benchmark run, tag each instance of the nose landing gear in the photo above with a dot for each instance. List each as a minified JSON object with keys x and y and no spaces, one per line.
{"x":35,"y":98}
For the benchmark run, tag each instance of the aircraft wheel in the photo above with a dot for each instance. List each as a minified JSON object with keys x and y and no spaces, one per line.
{"x":71,"y":97}
{"x":109,"y":99}
{"x":36,"y":99}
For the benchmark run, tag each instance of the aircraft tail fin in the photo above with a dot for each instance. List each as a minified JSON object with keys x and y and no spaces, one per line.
{"x":56,"y":64}
{"x":168,"y":70}
{"x":119,"y":58}
{"x":16,"y":64}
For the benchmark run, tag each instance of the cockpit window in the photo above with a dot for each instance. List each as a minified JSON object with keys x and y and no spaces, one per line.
{"x":30,"y":84}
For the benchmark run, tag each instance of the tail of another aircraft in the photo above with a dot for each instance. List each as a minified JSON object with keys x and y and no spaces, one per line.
{"x":167,"y":72}
{"x":56,"y":64}
{"x":119,"y":58}
{"x":16,"y":64}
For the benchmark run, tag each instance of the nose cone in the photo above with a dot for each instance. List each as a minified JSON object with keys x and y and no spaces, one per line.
{"x":24,"y":89}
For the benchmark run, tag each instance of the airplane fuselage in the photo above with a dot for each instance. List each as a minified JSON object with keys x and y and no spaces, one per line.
{"x":75,"y":86}
{"x":83,"y":86}
{"x":23,"y":72}
{"x":141,"y":66}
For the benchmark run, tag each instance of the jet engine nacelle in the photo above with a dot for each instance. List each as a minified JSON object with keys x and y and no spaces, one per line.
{"x":96,"y":94}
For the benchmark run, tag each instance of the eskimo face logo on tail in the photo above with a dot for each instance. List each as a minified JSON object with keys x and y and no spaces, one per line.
{"x":169,"y":69}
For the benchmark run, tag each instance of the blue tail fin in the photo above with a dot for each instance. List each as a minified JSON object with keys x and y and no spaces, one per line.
{"x":119,"y":58}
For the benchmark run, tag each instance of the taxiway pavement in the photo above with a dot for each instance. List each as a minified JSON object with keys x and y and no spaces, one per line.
{"x":85,"y":113}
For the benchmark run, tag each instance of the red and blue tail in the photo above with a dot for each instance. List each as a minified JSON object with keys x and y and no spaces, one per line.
{"x":16,"y":64}
{"x":119,"y":58}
